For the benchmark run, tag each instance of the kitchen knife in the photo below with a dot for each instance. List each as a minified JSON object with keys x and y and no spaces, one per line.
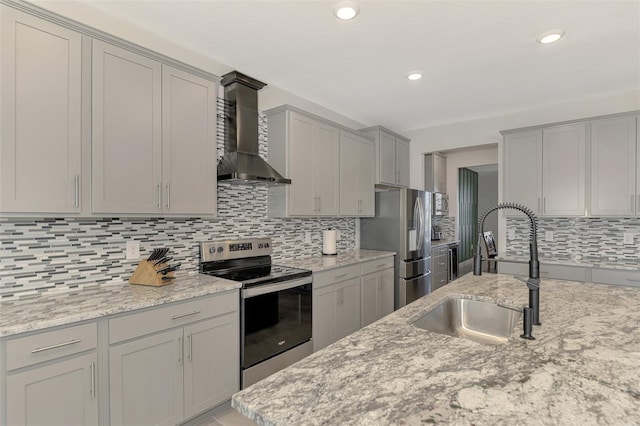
{"x":163,"y":260}
{"x":165,"y":271}
{"x":153,"y":254}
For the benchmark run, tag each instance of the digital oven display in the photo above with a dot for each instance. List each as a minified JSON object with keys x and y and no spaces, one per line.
{"x":240,"y":246}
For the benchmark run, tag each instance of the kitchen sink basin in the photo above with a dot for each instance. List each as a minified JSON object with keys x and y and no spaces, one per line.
{"x":482,"y":322}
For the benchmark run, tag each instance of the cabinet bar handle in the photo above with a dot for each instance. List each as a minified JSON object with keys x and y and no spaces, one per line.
{"x":633,"y":280}
{"x":175,"y":317}
{"x":59,"y":345}
{"x":380,"y":265}
{"x":189,"y":347}
{"x":180,"y":349}
{"x":76,"y":198}
{"x":319,"y":204}
{"x":159,"y":197}
{"x":341,"y":275}
{"x":92,"y":368}
{"x":168,"y":195}
{"x":544,"y":204}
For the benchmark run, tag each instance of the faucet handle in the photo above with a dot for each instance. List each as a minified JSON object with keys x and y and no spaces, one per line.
{"x":532,"y":283}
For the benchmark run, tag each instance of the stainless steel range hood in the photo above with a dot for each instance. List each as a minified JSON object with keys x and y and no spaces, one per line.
{"x":241,"y":162}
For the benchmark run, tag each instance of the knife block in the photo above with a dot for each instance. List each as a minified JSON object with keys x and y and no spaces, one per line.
{"x":146,"y":274}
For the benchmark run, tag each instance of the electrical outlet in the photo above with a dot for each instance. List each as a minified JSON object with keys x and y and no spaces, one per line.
{"x":307,"y":237}
{"x":512,"y":234}
{"x":628,"y":238}
{"x":548,"y":236}
{"x":133,"y":250}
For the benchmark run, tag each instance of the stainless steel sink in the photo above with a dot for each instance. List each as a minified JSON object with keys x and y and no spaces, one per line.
{"x":482,"y":322}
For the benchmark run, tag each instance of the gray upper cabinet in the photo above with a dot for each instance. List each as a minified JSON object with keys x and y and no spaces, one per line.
{"x":564,"y":170}
{"x":126,"y":131}
{"x":188,"y":143}
{"x":392,"y":156}
{"x":523,"y":169}
{"x":545,"y":170}
{"x":40,"y":88}
{"x":435,"y":172}
{"x":306,"y":149}
{"x":356,"y":175}
{"x":587,"y":167}
{"x":614,"y":161}
{"x":153,"y":137}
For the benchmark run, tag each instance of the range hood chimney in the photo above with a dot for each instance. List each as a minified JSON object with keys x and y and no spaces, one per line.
{"x":241,"y":162}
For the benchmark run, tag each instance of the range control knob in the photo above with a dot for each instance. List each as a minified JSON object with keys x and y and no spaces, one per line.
{"x":266,"y":245}
{"x":220,"y":249}
{"x":260,"y":245}
{"x":212,"y":250}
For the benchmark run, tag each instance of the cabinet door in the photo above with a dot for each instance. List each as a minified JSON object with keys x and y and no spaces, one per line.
{"x":348,"y":313}
{"x":369,"y":294}
{"x":403,"y":155}
{"x":145,"y":383}
{"x":302,"y":199}
{"x":563,"y":170}
{"x":126,"y":132}
{"x":63,"y":393}
{"x":366,"y":178}
{"x":326,"y":169}
{"x":212,"y":363}
{"x":387,"y":159}
{"x":349,"y":174}
{"x":40,"y":122}
{"x":523,"y":170}
{"x":385,"y":302}
{"x":188,"y":143}
{"x":613,"y":166}
{"x":324,"y":316}
{"x":439,"y":173}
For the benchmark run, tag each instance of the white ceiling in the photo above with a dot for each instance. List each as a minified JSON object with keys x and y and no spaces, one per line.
{"x":480,"y":58}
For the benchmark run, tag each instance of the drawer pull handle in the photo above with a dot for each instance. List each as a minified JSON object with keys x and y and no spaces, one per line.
{"x":341,"y":275}
{"x":633,"y":280}
{"x":59,"y":345}
{"x":380,"y":265}
{"x":175,"y":317}
{"x":92,"y":366}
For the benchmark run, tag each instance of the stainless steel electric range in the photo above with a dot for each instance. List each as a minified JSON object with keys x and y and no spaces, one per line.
{"x":275,"y":305}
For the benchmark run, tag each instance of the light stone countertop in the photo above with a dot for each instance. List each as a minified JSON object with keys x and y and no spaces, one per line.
{"x":582,"y":369}
{"x":65,"y":307}
{"x":584,"y":262}
{"x":445,"y":242}
{"x":343,"y":258}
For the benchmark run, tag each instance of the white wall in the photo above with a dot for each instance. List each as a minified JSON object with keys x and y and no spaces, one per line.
{"x":487,"y":130}
{"x":269,"y":97}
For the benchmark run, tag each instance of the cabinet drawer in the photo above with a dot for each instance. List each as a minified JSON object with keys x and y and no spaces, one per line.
{"x":611,"y":276}
{"x":439,"y":279}
{"x":512,"y":268}
{"x":331,"y":276}
{"x":173,"y":315}
{"x":440,"y":251}
{"x":377,"y":265}
{"x":560,"y":272}
{"x":49,"y":345}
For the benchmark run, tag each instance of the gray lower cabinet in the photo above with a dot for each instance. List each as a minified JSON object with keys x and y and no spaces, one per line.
{"x":556,"y":272}
{"x":172,"y":375}
{"x":439,"y":266}
{"x":336,"y":305}
{"x":376,"y":290}
{"x":617,"y":277}
{"x":51,"y":377}
{"x":40,"y":117}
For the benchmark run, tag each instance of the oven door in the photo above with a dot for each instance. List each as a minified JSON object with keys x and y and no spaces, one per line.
{"x":275,"y":318}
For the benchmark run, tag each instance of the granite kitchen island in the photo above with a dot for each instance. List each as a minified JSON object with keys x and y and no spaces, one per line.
{"x":583,"y":367}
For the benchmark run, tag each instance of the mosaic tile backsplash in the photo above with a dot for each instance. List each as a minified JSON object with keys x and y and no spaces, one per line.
{"x":39,"y":255}
{"x":579,"y":238}
{"x":447,"y":224}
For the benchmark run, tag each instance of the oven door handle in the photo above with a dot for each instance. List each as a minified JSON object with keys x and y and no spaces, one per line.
{"x":272,"y":288}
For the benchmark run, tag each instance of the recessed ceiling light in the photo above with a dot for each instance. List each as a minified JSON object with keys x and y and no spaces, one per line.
{"x":550,"y":36}
{"x":346,"y":10}
{"x":414,"y":75}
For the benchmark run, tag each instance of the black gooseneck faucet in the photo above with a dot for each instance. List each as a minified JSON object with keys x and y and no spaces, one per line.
{"x":532,"y":313}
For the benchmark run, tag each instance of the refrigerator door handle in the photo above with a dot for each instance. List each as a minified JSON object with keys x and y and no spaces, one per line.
{"x":420,"y":210}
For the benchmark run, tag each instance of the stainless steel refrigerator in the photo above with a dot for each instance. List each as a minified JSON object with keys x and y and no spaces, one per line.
{"x":403,"y":224}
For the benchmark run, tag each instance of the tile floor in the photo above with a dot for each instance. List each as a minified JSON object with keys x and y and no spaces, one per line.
{"x":226,"y":416}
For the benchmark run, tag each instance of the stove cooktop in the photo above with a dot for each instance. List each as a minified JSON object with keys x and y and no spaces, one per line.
{"x":260,"y":275}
